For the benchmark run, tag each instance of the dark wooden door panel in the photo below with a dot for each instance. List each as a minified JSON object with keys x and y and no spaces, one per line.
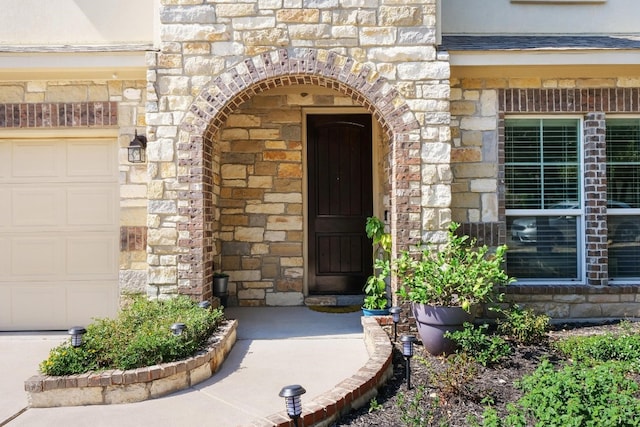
{"x":340,"y":200}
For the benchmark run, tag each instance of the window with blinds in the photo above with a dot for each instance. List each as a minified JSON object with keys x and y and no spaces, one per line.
{"x":623,"y":197}
{"x":543,"y":198}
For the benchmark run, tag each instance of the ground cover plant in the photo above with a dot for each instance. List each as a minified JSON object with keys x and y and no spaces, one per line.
{"x":140,"y":336}
{"x":570,"y":375}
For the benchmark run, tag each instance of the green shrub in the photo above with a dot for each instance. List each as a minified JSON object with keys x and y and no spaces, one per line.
{"x":523,"y":325}
{"x":580,"y":396}
{"x":475,"y":342}
{"x":602,"y":348}
{"x":139,"y":336}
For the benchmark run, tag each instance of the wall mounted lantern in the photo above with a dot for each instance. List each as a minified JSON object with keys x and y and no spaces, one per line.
{"x":291,"y":394}
{"x":76,"y":335}
{"x":137,"y":149}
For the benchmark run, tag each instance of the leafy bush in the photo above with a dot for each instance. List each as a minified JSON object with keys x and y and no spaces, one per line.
{"x":579,"y":396}
{"x":139,"y":336}
{"x":602,"y":348}
{"x":477,"y":343}
{"x":523,"y":325}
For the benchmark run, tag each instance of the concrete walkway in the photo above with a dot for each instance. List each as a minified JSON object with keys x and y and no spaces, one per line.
{"x":276,"y":346}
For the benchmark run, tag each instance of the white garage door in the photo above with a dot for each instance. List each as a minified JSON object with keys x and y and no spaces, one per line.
{"x":58,"y":232}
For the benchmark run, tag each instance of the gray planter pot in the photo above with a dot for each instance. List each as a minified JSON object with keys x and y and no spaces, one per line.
{"x":434,"y":321}
{"x":221,"y":288}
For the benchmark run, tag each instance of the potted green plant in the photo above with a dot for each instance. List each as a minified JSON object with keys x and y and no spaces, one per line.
{"x":445,"y":283}
{"x":375,"y":289}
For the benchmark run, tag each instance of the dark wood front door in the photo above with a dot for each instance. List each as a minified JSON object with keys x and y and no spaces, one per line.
{"x":340,"y":200}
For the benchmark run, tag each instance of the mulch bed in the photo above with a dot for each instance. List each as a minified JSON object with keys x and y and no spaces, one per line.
{"x":452,"y":397}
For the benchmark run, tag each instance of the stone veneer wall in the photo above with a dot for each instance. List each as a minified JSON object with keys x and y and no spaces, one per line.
{"x":215,"y":56}
{"x":93,"y":104}
{"x":478,"y":108}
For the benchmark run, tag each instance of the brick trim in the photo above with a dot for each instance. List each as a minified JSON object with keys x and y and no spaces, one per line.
{"x":133,"y":238}
{"x":612,"y":100}
{"x":197,"y":155}
{"x":133,"y":385}
{"x":59,"y":115}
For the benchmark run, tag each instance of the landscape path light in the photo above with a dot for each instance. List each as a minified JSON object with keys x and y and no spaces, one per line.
{"x":407,"y":351}
{"x":76,"y":333}
{"x":177,"y":328}
{"x":291,"y":394}
{"x":395,"y":315}
{"x":204,"y":304}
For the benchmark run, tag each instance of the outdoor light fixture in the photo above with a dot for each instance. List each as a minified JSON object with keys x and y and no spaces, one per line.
{"x":204,"y":304}
{"x":177,"y":328}
{"x":291,"y":394}
{"x":395,"y":314}
{"x":137,"y":148}
{"x":407,"y":352}
{"x":76,"y":335}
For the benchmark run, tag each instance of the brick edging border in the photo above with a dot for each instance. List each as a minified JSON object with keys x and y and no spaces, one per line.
{"x":351,"y":393}
{"x":133,"y":385}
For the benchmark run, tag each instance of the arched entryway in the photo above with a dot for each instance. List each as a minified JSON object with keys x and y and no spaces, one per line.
{"x":241,"y":153}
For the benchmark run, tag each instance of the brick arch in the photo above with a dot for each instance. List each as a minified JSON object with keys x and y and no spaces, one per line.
{"x":211,"y":108}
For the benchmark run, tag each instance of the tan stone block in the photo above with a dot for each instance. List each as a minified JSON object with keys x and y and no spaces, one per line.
{"x":66,"y":397}
{"x":260,"y":182}
{"x":284,"y":116}
{"x":628,"y":82}
{"x":283,"y":197}
{"x":295,"y":236}
{"x":286,"y":249}
{"x":133,"y":191}
{"x":258,"y":285}
{"x":32,"y":97}
{"x":621,"y":310}
{"x":133,"y":216}
{"x":294,"y":209}
{"x":584,"y":310}
{"x":275,"y":145}
{"x":260,"y":248}
{"x":232,"y":134}
{"x":266,"y":208}
{"x":162,"y":237}
{"x":270,"y":271}
{"x":525,"y":82}
{"x":247,"y":294}
{"x":126,"y":393}
{"x":289,"y":285}
{"x":196,"y":48}
{"x":301,"y":16}
{"x":67,"y":93}
{"x":566,"y":83}
{"x":245,"y":146}
{"x":282,"y":222}
{"x":466,"y":155}
{"x":199,"y":374}
{"x":466,"y":108}
{"x":265,"y":168}
{"x":290,"y":156}
{"x":292,"y":261}
{"x":98,"y":93}
{"x":234,"y":220}
{"x":483,"y":185}
{"x":233,"y":171}
{"x":264,"y":134}
{"x":235,"y":10}
{"x":244,"y":276}
{"x":163,"y":275}
{"x":169,"y":384}
{"x":599,"y":83}
{"x":12,"y":94}
{"x":275,"y":236}
{"x":287,"y":170}
{"x":572,"y":299}
{"x":600,"y":298}
{"x":244,"y":120}
{"x":249,"y":234}
{"x":266,"y":37}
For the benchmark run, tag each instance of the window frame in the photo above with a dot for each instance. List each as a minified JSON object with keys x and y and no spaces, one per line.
{"x":581,"y":258}
{"x":620,"y":211}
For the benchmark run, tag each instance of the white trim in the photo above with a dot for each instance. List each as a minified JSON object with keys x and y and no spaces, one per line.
{"x":581,"y":261}
{"x":544,"y":57}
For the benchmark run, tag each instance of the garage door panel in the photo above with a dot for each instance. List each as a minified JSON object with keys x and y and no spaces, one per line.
{"x":36,"y":256}
{"x":5,"y":306}
{"x":5,"y":208}
{"x":37,"y":159}
{"x":83,"y":296}
{"x":34,"y":306}
{"x":33,"y":207}
{"x":92,"y":256}
{"x":5,"y":161}
{"x":92,"y":205}
{"x":5,"y":258}
{"x":59,"y":231}
{"x":91,"y":158}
